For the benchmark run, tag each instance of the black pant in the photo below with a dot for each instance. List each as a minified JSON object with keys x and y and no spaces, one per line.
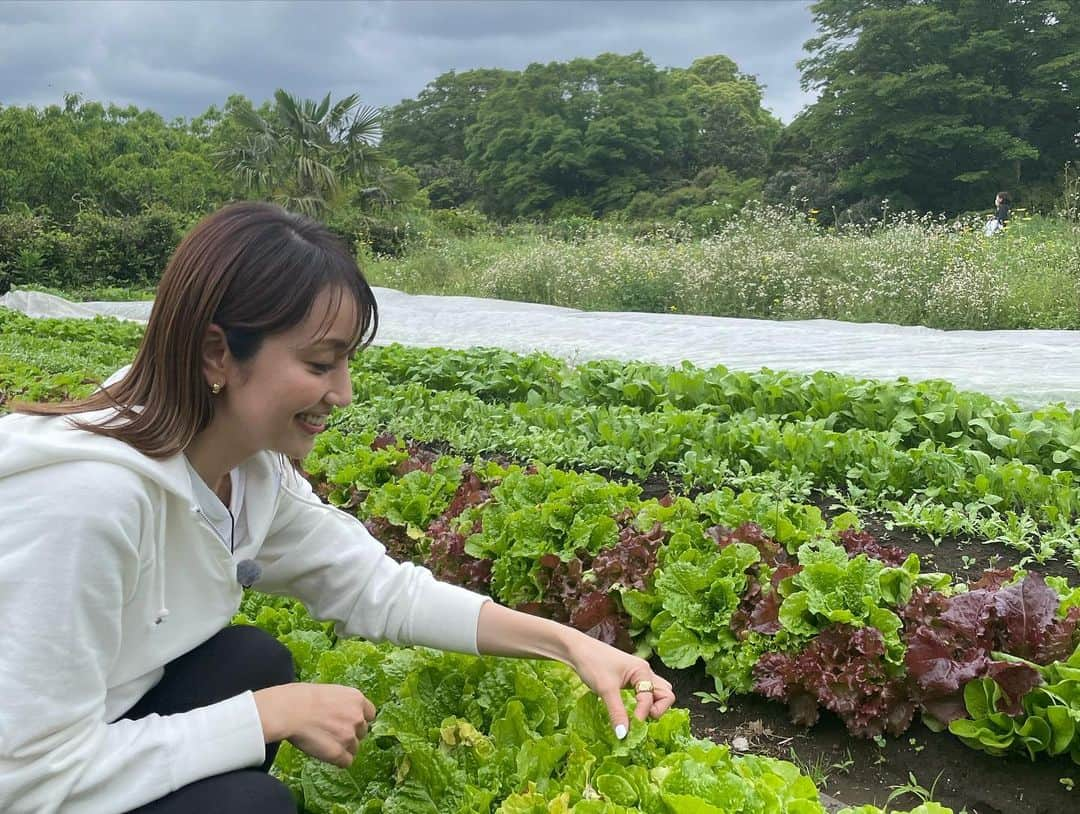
{"x":237,"y":659}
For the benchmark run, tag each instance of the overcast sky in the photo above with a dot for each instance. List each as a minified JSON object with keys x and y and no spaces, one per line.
{"x":178,"y":57}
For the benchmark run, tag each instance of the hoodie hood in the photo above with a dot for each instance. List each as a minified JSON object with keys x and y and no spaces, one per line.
{"x":29,"y":442}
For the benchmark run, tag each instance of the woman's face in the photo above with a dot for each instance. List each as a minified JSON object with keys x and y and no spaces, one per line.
{"x":279,"y":400}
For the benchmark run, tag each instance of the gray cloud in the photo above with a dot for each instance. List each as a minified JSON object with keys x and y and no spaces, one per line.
{"x":178,"y":58}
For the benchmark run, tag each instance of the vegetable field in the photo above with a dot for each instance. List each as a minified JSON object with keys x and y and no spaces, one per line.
{"x":876,"y":582}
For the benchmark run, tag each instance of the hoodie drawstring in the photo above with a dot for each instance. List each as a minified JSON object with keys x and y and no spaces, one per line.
{"x":159,"y":568}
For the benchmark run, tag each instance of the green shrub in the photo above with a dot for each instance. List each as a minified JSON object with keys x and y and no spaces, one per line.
{"x":126,"y":251}
{"x":460,"y":222}
{"x":98,"y":250}
{"x":33,"y":250}
{"x":388,"y":233}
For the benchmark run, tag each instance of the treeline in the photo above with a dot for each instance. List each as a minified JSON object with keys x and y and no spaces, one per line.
{"x":922,"y":106}
{"x":318,"y":157}
{"x":926,"y":106}
{"x":94,"y":194}
{"x":589,"y":137}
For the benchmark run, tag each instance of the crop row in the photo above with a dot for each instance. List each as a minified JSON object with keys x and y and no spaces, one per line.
{"x":52,"y":359}
{"x":506,"y":736}
{"x":938,"y":489}
{"x":912,"y":413}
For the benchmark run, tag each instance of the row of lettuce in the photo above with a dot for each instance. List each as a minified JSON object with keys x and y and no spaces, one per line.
{"x":916,"y":411}
{"x":940,"y":489}
{"x":912,"y":413}
{"x":502,"y":736}
{"x":933,"y":459}
{"x":760,"y":589}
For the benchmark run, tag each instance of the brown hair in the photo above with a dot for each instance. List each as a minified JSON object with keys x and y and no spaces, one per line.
{"x":252,"y":268}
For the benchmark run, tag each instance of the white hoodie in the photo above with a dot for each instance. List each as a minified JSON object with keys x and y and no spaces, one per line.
{"x":109,"y":570}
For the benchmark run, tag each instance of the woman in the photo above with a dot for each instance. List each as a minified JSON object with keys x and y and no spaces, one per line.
{"x":1000,"y":219}
{"x":1001,"y":211}
{"x":129,"y":519}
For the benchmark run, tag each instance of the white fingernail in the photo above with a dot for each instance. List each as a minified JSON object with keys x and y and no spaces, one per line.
{"x":620,"y":731}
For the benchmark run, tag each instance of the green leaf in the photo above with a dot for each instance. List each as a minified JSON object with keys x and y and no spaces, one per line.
{"x":679,"y":647}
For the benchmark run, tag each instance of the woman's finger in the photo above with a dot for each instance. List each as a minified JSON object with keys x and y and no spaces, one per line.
{"x":369,"y":710}
{"x":663,"y":698}
{"x":617,"y":712}
{"x":347,"y":754}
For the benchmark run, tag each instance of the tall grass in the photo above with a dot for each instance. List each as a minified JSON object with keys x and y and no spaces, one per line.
{"x":94,"y":293}
{"x":776,"y":264}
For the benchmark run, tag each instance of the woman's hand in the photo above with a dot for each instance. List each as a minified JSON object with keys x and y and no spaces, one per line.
{"x":607,"y":670}
{"x":327,"y":721}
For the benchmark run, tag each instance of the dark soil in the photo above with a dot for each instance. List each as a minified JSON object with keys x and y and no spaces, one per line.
{"x":964,"y":559}
{"x":857,"y":771}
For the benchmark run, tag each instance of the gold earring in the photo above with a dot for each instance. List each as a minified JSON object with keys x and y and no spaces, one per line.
{"x":215,"y":388}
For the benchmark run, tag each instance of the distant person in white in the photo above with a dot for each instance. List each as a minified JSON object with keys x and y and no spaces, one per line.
{"x":1000,"y":219}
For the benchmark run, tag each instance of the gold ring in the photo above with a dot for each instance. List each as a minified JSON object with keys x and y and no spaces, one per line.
{"x":643,"y":686}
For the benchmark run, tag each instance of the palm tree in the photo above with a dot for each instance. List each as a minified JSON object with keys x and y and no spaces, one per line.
{"x":302,"y":153}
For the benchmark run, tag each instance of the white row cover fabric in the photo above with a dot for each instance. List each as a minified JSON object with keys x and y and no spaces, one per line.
{"x":1033,"y":367}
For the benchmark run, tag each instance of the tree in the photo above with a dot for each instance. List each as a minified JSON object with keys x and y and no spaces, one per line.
{"x":940,"y":103}
{"x":583,"y":136}
{"x":117,"y":159}
{"x":732,"y":130}
{"x":299,"y":153}
{"x":431,"y":128}
{"x":428,"y":132}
